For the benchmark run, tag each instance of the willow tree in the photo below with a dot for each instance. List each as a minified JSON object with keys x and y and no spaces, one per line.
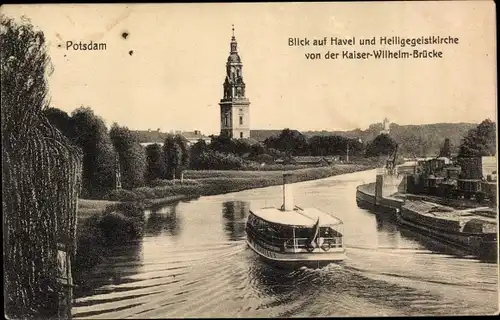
{"x":40,"y":179}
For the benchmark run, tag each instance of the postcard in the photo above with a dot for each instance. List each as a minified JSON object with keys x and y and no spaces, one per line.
{"x":207,"y":160}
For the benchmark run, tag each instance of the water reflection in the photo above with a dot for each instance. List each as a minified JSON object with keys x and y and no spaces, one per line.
{"x":385,"y":225}
{"x":118,"y":264}
{"x":163,"y":220}
{"x":388,"y":233}
{"x":432,"y":244}
{"x":393,"y":234}
{"x":234,"y":214}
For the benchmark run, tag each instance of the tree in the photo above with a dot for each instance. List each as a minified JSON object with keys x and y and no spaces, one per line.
{"x":223,"y":144}
{"x":131,"y":155}
{"x":383,"y":144}
{"x":99,"y":156}
{"x":40,"y":179}
{"x":62,"y":121}
{"x":446,"y":149}
{"x":155,"y":162}
{"x":258,"y":149}
{"x":480,"y":141}
{"x":289,"y":141}
{"x":195,"y":153}
{"x":182,"y":143}
{"x":172,"y":152}
{"x":324,"y":145}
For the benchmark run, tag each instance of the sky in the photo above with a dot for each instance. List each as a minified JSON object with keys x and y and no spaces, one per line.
{"x":173,"y":80}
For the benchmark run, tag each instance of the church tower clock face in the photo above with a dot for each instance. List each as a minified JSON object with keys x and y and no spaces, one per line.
{"x":234,"y":105}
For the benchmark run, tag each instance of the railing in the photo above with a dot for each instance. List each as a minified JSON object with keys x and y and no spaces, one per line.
{"x":294,"y":244}
{"x":302,"y":243}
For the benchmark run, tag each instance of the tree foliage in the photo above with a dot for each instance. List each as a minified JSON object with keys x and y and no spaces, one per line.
{"x":62,"y":121}
{"x":182,"y":143}
{"x":223,"y":144}
{"x":173,"y":156}
{"x":40,"y":178}
{"x":480,"y":141}
{"x":99,"y":158}
{"x":382,"y":145}
{"x":131,"y":157}
{"x":325,"y":145}
{"x":292,"y":142}
{"x":155,"y":162}
{"x":195,"y":153}
{"x":214,"y":160}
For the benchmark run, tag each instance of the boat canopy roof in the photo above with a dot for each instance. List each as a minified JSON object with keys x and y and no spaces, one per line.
{"x":298,"y":217}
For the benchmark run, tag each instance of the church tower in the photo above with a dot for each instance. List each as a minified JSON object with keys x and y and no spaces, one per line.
{"x":234,"y":106}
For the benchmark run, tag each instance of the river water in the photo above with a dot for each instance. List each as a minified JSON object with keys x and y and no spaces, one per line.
{"x":194,"y":262}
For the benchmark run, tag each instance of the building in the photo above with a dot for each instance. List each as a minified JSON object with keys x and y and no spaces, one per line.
{"x":386,"y":126}
{"x":147,"y":137}
{"x":194,"y":136}
{"x":234,"y":106}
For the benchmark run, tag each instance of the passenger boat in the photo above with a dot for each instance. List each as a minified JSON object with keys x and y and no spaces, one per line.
{"x":291,"y":236}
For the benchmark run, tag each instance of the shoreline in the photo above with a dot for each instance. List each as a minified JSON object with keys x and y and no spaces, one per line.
{"x":208,"y":183}
{"x":215,"y":182}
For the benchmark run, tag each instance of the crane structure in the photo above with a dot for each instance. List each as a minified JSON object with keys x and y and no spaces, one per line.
{"x":390,"y":164}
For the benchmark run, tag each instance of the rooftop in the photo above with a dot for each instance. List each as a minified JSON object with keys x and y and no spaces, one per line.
{"x":156,"y":136}
{"x":298,"y":217}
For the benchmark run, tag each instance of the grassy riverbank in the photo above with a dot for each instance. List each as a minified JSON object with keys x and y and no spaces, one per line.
{"x":212,"y":182}
{"x":204,"y":183}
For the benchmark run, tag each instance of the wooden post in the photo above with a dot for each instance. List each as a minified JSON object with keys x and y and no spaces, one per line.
{"x":287,"y":192}
{"x":379,"y":184}
{"x":118,"y":177}
{"x":347,"y":153}
{"x":65,"y":280}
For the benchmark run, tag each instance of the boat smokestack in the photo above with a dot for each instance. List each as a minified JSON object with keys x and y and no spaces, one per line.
{"x":287,"y":192}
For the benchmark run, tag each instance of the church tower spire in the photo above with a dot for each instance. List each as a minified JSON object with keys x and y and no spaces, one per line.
{"x":234,"y":44}
{"x":234,"y":106}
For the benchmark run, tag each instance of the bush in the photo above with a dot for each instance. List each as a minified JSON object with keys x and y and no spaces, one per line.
{"x":131,"y":210}
{"x":264,"y":158}
{"x":122,"y":195}
{"x":116,"y":227}
{"x":163,"y":183}
{"x":214,"y":160}
{"x":144,"y":193}
{"x":121,"y":222}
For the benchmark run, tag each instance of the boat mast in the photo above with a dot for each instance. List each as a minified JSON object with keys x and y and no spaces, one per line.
{"x":287,"y":192}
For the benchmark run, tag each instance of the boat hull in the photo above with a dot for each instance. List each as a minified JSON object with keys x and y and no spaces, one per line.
{"x":365,"y":201}
{"x":484,"y":246}
{"x":295,"y":260}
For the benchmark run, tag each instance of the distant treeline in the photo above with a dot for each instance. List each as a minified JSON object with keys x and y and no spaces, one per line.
{"x":414,"y":140}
